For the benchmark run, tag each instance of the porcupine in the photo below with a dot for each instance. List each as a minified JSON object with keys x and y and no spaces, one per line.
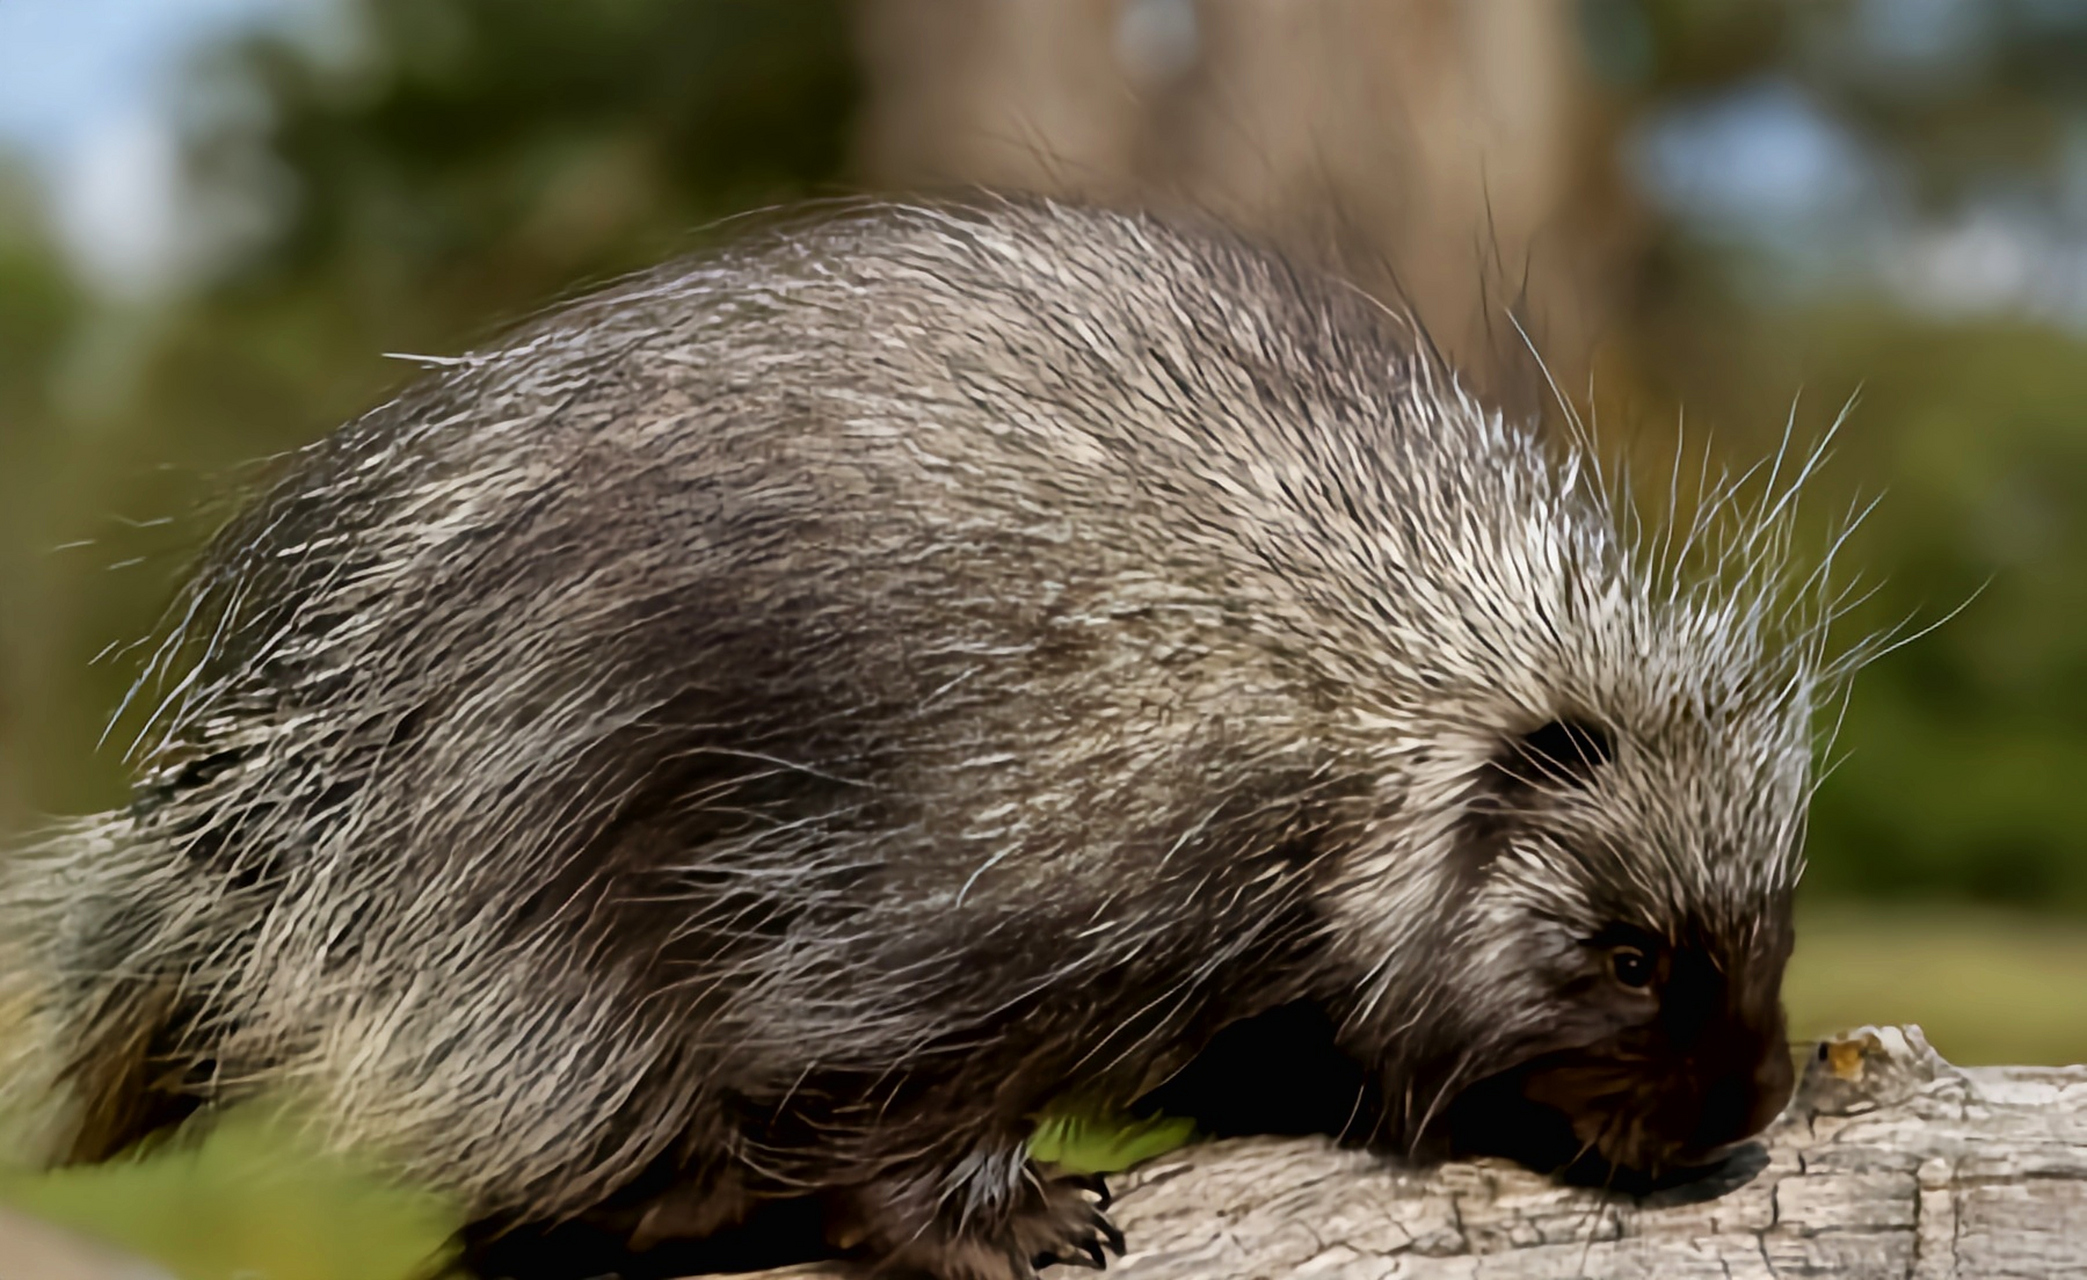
{"x":769,"y":729}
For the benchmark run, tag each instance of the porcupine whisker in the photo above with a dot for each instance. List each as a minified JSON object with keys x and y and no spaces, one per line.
{"x":1452,"y":1080}
{"x":1590,"y":1222}
{"x":1596,"y":1208}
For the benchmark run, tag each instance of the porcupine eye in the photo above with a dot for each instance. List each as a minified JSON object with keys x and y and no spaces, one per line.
{"x":1629,"y":955}
{"x":1631,"y":967}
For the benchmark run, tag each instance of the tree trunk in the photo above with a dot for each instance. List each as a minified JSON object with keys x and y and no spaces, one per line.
{"x":1453,"y":156}
{"x":1889,"y":1162}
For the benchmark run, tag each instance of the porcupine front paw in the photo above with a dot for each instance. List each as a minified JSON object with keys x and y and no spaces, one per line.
{"x":1071,"y":1223}
{"x":975,"y":1226}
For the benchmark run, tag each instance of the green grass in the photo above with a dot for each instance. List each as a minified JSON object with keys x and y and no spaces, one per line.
{"x":247,"y":1205}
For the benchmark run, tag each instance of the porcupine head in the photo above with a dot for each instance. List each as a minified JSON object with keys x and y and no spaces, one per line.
{"x":1609,"y":799}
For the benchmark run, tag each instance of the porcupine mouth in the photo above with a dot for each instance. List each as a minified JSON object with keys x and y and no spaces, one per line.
{"x":1599,"y":1117}
{"x":1283,"y":1073}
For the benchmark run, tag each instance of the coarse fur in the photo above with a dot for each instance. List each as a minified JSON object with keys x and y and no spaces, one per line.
{"x":771,"y":728}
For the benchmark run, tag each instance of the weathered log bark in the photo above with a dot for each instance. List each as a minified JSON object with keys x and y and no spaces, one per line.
{"x":1889,"y":1162}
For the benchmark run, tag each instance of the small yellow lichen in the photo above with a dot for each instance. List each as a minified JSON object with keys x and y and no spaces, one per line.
{"x":1845,"y":1057}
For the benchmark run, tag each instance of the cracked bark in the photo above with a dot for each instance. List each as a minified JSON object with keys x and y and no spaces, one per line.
{"x":1889,"y":1162}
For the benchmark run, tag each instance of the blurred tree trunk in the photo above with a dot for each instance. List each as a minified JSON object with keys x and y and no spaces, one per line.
{"x":1457,"y":156}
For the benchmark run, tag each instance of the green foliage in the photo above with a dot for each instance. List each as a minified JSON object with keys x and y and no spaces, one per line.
{"x":1958,"y":755}
{"x":492,"y":153}
{"x":40,"y":311}
{"x":1967,"y":743}
{"x":1089,"y":1145}
{"x":1953,"y":767}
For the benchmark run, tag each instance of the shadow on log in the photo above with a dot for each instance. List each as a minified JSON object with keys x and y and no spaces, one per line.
{"x":1889,"y":1162}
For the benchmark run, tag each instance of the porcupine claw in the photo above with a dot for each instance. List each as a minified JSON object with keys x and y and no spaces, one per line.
{"x":1110,"y":1233}
{"x":1090,"y":1256}
{"x":1094,"y":1183}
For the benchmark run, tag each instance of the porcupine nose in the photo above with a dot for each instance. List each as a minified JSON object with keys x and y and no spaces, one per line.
{"x":1773,"y":1081}
{"x":1740,"y":1103}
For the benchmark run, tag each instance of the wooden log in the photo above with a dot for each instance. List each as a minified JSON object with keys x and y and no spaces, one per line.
{"x":1889,"y":1162}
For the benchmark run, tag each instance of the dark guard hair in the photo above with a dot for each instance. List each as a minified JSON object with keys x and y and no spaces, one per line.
{"x":771,"y":728}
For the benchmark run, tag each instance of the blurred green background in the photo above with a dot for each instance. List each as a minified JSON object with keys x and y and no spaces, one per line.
{"x":208,"y":246}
